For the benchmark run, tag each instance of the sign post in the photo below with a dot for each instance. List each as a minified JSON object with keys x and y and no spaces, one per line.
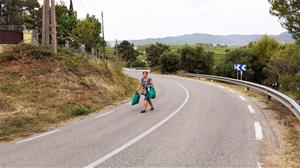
{"x":241,"y":75}
{"x":240,"y":68}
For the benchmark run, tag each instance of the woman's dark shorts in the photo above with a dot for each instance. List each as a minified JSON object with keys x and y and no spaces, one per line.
{"x":147,"y":96}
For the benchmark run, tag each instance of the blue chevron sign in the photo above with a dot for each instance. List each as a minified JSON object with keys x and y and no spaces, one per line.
{"x":240,"y":67}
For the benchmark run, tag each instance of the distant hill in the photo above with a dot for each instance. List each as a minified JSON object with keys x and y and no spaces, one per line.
{"x":235,"y":39}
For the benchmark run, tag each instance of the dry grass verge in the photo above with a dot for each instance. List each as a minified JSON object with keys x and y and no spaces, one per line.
{"x":39,"y":90}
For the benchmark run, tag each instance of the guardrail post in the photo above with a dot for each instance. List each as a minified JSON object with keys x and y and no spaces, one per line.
{"x":247,"y":88}
{"x":269,"y":97}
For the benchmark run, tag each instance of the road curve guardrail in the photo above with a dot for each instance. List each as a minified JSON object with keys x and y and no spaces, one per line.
{"x":284,"y":99}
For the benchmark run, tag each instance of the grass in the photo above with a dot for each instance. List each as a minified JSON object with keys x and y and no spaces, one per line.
{"x":39,"y":92}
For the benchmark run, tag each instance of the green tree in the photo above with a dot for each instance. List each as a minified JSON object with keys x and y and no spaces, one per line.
{"x":32,"y":13}
{"x":170,"y":62}
{"x":263,"y":50}
{"x":184,"y":52}
{"x":140,"y":61}
{"x":288,"y":13}
{"x":87,"y":31}
{"x":284,"y":69}
{"x":237,"y":56}
{"x":154,"y":51}
{"x":197,"y":60}
{"x":16,"y":12}
{"x":66,"y":22}
{"x":127,"y":52}
{"x":256,"y":56}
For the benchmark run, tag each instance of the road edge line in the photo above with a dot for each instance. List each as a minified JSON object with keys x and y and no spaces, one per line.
{"x":38,"y":136}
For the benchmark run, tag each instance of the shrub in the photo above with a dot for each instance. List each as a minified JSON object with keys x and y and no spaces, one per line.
{"x":26,"y":53}
{"x":38,"y":52}
{"x":80,"y":111}
{"x":7,"y":58}
{"x":170,"y":62}
{"x":84,"y":83}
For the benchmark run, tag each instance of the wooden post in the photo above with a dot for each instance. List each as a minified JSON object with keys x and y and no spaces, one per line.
{"x":45,"y":26}
{"x":53,"y":27}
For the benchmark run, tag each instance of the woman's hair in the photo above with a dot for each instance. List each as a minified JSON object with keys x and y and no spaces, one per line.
{"x":145,"y":72}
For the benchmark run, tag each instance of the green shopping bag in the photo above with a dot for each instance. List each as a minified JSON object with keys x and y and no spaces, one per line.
{"x":152,"y":93}
{"x":136,"y":98}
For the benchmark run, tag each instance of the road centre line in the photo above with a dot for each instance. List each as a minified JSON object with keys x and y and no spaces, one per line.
{"x":251,"y":109}
{"x":258,"y":131}
{"x":139,"y":137}
{"x":39,"y":136}
{"x":241,"y":97}
{"x":232,"y":91}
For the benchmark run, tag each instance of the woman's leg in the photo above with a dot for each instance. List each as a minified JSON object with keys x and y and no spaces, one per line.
{"x":151,"y":104}
{"x":145,"y":104}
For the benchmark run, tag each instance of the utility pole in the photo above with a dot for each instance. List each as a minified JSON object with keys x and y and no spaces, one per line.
{"x":45,"y":29}
{"x":116,"y":47}
{"x":104,"y":43}
{"x":53,"y":27}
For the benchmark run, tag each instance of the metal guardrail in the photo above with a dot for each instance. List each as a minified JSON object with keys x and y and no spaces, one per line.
{"x":284,"y":99}
{"x":142,"y":68}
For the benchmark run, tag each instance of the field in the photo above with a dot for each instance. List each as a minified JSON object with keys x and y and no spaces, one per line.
{"x":219,"y":52}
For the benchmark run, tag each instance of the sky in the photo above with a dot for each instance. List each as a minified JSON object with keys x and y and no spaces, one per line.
{"x":138,"y":19}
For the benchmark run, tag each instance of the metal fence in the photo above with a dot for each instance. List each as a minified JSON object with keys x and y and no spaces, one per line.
{"x":284,"y":99}
{"x":17,"y":28}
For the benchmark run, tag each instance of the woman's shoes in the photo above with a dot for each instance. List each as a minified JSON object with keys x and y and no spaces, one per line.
{"x":144,"y":111}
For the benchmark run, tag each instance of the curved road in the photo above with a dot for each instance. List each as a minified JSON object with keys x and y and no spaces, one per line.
{"x":194,"y":125}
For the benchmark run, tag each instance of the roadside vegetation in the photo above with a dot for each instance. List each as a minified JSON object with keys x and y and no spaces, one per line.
{"x":269,"y":62}
{"x":39,"y":90}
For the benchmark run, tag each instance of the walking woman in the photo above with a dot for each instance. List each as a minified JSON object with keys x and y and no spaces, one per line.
{"x":146,"y":84}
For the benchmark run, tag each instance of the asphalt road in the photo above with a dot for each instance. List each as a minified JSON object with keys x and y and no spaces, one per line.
{"x":194,"y":125}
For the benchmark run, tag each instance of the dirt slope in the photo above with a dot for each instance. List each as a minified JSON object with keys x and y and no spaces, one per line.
{"x":38,"y":89}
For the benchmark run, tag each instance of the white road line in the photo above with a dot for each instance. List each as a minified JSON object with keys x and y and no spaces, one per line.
{"x":241,"y":97}
{"x":39,"y":136}
{"x":258,"y":131}
{"x":232,"y":91}
{"x":258,"y":165}
{"x":221,"y":86}
{"x":139,"y":137}
{"x":251,"y":109}
{"x":102,"y":115}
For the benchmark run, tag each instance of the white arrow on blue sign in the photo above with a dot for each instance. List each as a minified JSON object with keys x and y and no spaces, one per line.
{"x":240,"y":67}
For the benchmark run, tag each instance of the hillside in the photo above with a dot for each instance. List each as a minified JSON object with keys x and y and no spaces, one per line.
{"x":232,"y":40}
{"x":39,"y":90}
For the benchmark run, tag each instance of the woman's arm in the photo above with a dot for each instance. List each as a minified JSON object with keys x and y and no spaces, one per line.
{"x":139,"y":89}
{"x":151,"y":84}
